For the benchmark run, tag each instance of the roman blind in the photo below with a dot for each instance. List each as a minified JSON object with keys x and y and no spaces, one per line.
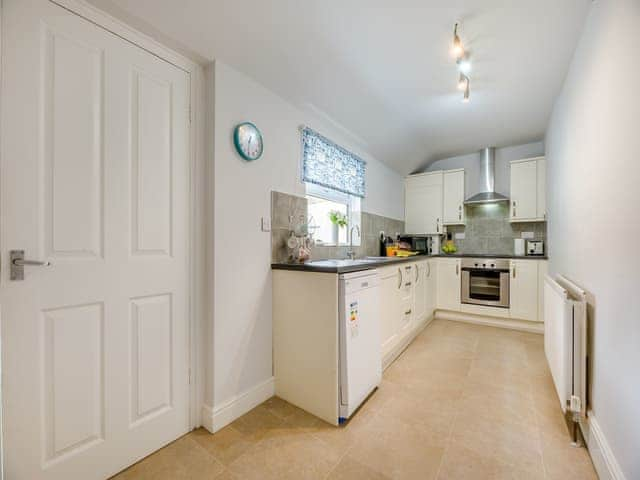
{"x":329,"y":165}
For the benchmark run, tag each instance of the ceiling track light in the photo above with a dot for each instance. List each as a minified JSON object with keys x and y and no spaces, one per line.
{"x":458,"y":49}
{"x":463,"y":64}
{"x":463,"y":81}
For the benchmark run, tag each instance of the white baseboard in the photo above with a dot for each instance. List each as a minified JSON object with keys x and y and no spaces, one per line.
{"x":216,"y":418}
{"x":602,"y":457}
{"x":521,"y":325}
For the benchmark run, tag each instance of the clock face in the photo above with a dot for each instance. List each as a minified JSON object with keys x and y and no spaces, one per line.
{"x":248,"y":141}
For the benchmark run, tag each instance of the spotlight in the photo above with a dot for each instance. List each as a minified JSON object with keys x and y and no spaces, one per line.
{"x":463,"y":81}
{"x":457,"y":50}
{"x":465,"y":99}
{"x":464,"y":65}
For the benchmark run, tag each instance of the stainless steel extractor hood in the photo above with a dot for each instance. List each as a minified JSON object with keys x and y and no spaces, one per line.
{"x":487,"y":180}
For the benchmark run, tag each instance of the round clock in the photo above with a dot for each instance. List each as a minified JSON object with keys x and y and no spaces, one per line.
{"x":248,"y":141}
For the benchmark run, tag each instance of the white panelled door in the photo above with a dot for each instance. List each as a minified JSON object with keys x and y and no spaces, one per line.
{"x":94,"y":179}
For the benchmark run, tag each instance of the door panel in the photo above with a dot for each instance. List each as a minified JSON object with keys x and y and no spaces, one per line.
{"x":523,"y":190}
{"x":94,"y":175}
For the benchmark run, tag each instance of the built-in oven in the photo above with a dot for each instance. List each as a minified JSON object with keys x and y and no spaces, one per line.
{"x":485,"y":281}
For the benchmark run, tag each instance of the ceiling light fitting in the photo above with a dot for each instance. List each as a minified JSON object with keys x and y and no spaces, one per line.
{"x":463,"y":63}
{"x":457,"y":49}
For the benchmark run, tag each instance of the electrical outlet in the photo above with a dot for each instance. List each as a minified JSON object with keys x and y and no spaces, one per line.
{"x":265,"y":224}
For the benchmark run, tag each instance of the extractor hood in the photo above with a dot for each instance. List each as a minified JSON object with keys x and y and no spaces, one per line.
{"x":487,"y":180}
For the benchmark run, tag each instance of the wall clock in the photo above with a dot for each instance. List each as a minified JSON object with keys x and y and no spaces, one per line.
{"x":248,"y":141}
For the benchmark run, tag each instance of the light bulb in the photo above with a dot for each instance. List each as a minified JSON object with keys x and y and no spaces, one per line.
{"x":462,"y":81}
{"x":464,"y":65}
{"x":457,"y":50}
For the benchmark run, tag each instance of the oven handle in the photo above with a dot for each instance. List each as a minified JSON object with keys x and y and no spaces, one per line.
{"x":471,"y":269}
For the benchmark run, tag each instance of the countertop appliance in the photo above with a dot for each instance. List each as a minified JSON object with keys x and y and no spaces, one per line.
{"x":535,"y":247}
{"x":419,"y":243}
{"x":359,"y":331}
{"x":485,"y":281}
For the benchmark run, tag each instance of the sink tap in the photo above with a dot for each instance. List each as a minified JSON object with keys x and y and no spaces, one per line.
{"x":351,"y":253}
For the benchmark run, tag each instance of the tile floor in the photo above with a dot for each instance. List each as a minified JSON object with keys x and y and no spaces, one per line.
{"x":462,"y":402}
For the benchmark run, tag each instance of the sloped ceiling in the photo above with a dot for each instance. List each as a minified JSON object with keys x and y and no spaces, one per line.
{"x":383,"y":69}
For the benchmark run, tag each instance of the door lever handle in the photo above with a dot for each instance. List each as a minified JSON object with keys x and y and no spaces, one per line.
{"x":18,"y":262}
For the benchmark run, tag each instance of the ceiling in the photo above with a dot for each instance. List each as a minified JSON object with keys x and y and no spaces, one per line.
{"x":383,"y":70}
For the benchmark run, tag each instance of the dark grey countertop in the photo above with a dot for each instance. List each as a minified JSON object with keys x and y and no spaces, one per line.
{"x":348,"y":266}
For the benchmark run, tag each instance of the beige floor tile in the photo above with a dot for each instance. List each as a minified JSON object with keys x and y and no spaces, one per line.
{"x":398,"y":450}
{"x":562,"y":461}
{"x":183,"y":459}
{"x":460,"y":463}
{"x":225,"y":445}
{"x":462,"y":402}
{"x":349,"y":469}
{"x":293,"y":456}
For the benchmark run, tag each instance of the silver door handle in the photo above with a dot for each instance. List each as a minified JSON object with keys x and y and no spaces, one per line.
{"x":457,"y":269}
{"x":514,"y":271}
{"x":399,"y":278}
{"x":417,"y":272}
{"x":18,"y":262}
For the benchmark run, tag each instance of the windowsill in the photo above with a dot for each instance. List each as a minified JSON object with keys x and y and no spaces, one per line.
{"x":335,"y":245}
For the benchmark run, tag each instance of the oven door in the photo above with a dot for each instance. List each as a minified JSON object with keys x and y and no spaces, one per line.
{"x":485,"y":287}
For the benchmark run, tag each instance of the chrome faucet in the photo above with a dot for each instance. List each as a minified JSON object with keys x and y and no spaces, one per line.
{"x":350,"y":253}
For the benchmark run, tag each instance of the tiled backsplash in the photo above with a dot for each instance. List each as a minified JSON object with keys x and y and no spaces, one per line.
{"x":489,"y":231}
{"x":288,"y":211}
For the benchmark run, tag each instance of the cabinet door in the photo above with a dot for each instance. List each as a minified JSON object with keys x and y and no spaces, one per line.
{"x":407,"y":299}
{"x":453,"y":197}
{"x":523,"y":288}
{"x":423,"y":204}
{"x":431,"y":286}
{"x":449,"y":283}
{"x":524,"y":179}
{"x":541,"y":209}
{"x":420,"y":304}
{"x":390,"y":284}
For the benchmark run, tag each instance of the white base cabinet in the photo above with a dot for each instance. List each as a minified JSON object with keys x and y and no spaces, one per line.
{"x":523,"y":290}
{"x":449,"y":283}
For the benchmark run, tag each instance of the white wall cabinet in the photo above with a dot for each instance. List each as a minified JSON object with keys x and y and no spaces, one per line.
{"x":523,"y":290}
{"x":423,"y":203}
{"x":449,"y":284}
{"x":453,"y":197}
{"x":528,"y":190}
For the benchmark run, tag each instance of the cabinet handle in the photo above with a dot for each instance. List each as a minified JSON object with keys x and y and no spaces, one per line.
{"x":408,"y":312}
{"x":437,"y":225}
{"x":514,"y":208}
{"x":399,"y":278}
{"x":408,"y":284}
{"x":429,"y":270}
{"x":417,"y":273}
{"x":457,"y":269}
{"x":514,"y":271}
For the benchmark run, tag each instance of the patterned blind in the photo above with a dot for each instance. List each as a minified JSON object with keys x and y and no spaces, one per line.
{"x":327,"y":164}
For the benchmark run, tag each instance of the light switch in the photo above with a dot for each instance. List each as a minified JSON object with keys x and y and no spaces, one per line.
{"x":265,"y":224}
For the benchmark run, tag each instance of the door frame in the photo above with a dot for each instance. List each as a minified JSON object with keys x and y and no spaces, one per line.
{"x":196,"y":251}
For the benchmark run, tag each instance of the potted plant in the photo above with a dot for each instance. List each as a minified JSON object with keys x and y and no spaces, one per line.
{"x":339,"y":220}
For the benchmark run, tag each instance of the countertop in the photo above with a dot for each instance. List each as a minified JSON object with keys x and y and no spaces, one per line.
{"x":348,"y":266}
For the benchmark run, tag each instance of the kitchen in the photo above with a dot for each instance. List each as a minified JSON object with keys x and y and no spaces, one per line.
{"x":318,"y":240}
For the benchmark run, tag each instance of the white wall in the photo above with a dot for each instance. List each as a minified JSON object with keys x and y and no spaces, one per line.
{"x":241,"y":253}
{"x":471,"y":164}
{"x":593,"y":178}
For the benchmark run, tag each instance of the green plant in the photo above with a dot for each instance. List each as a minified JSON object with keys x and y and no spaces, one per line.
{"x":338,"y":218}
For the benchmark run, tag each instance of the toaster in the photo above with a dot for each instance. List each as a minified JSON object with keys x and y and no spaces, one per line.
{"x":535,"y":247}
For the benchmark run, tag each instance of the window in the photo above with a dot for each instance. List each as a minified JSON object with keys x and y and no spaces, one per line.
{"x":335,"y":182}
{"x":322,"y":203}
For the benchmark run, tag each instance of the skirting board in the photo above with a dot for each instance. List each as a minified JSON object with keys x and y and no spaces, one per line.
{"x":522,"y":325}
{"x":602,"y":457}
{"x":214,"y":419}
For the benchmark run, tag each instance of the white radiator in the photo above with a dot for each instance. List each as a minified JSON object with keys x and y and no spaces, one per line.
{"x":565,"y":342}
